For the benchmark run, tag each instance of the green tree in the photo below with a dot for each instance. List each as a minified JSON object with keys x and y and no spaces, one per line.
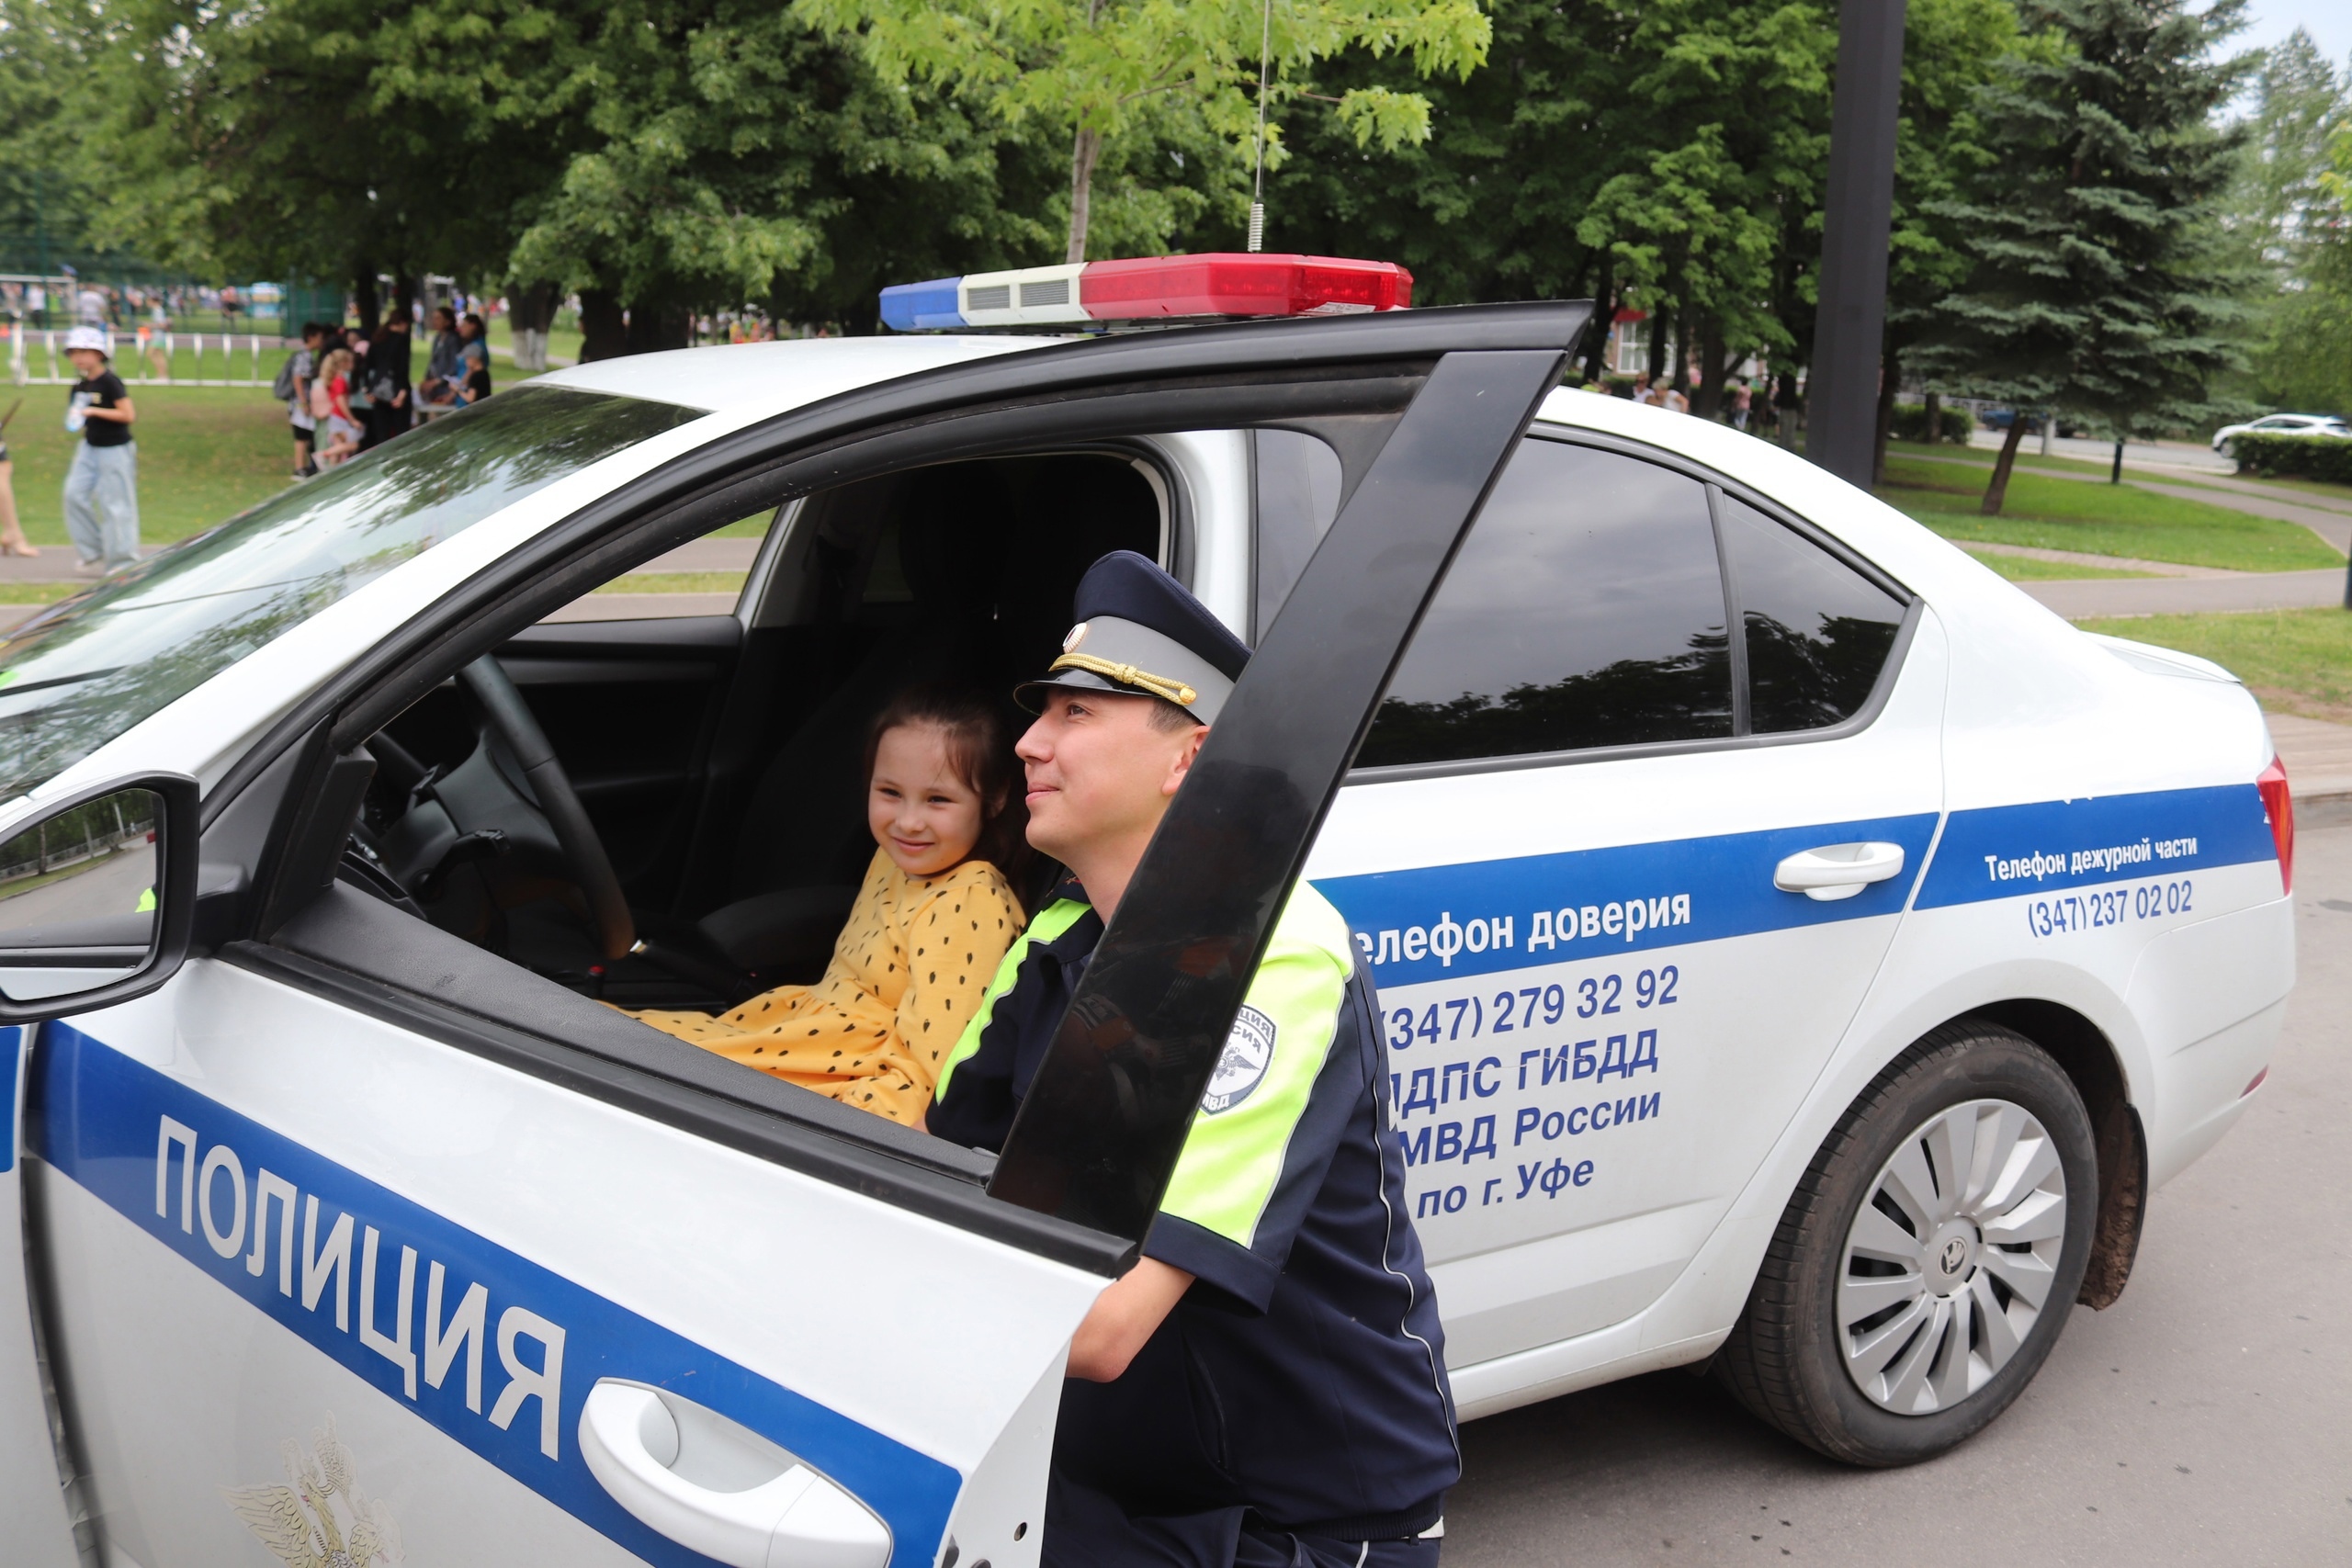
{"x":2101,"y":286}
{"x":660,"y":157}
{"x":1951,"y":50}
{"x":1100,"y":69}
{"x":261,"y":140}
{"x":1665,"y":157}
{"x":48,"y":78}
{"x":2288,"y":227}
{"x":725,"y":153}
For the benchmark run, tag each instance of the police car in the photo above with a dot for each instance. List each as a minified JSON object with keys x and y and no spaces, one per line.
{"x":1796,"y":948}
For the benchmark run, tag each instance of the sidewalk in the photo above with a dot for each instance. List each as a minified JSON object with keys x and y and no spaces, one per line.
{"x":2082,"y":599}
{"x":2083,"y":449}
{"x":2325,"y":515}
{"x":2318,"y":756}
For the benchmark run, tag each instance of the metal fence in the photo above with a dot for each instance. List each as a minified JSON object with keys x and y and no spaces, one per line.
{"x":35,"y":357}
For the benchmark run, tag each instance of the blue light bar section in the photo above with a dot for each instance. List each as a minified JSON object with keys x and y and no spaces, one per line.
{"x":917,"y":307}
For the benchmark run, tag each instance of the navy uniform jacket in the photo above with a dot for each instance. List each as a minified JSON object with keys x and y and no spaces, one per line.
{"x":1303,"y":1374}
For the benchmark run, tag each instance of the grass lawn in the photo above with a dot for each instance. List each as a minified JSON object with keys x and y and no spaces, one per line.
{"x":2027,"y":461}
{"x":2305,"y":487}
{"x":2026,"y":568}
{"x":2298,"y":661}
{"x":564,"y":343}
{"x":677,"y":582}
{"x":205,"y":454}
{"x":1982,"y":456}
{"x":2102,"y":520}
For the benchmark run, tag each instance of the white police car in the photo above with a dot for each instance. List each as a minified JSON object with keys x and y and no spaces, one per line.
{"x":1796,"y":947}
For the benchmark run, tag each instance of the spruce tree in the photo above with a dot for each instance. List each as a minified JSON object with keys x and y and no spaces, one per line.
{"x":2103,"y":287}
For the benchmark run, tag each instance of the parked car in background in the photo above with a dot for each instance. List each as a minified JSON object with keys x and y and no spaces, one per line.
{"x":2281,"y":424}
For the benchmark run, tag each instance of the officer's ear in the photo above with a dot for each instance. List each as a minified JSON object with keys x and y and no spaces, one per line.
{"x":1179,"y":766}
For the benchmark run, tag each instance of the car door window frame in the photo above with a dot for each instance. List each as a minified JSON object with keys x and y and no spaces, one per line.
{"x":725,"y":480}
{"x":1717,"y":486}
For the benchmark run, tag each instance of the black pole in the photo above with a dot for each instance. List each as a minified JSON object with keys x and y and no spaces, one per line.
{"x":2115,"y":475}
{"x":1841,"y":412}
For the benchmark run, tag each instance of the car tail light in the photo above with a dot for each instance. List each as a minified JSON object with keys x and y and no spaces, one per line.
{"x":2255,"y":1084}
{"x":2278,"y":802}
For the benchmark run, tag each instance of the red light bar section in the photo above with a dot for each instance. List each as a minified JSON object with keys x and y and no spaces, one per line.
{"x":1232,"y":284}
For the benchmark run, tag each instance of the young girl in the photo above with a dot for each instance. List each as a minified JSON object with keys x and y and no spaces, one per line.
{"x":338,"y":433}
{"x":929,"y":926}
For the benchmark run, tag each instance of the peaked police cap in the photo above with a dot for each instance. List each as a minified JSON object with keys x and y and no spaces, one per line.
{"x":1141,"y":632}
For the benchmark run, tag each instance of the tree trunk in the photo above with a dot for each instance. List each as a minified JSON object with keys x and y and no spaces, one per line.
{"x":1681,"y":382}
{"x":1709,"y":403}
{"x":1998,"y":490}
{"x":1596,"y":358}
{"x":363,"y":293}
{"x":1890,"y":375}
{"x":657,"y":325}
{"x":530,"y":312}
{"x":604,"y":335}
{"x":1085,"y":153}
{"x":1935,"y":418}
{"x":404,"y":295}
{"x":1656,"y":324}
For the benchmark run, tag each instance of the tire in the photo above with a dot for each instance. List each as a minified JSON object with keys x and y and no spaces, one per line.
{"x":1879,"y":1362}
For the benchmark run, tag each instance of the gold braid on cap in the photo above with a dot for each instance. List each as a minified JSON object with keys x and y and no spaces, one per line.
{"x":1176,"y":691}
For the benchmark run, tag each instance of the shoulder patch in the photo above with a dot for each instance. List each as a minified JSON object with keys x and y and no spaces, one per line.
{"x":1249,"y":1052}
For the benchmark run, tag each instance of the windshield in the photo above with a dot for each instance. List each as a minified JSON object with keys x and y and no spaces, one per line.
{"x":76,"y":676}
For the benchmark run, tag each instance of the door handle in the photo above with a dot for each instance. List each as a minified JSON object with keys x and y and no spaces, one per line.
{"x":719,"y":1487}
{"x":1837,"y":871}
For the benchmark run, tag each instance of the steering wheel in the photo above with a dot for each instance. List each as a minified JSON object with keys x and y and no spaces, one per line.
{"x":510,"y":719}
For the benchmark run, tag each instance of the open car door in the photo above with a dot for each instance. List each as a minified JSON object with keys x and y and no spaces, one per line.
{"x":358,"y":1242}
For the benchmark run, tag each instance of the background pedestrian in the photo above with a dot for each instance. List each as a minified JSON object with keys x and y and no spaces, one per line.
{"x":12,"y":533}
{"x":301,"y":369}
{"x":102,"y":487}
{"x":338,"y":433}
{"x":441,"y":372}
{"x":386,"y":378}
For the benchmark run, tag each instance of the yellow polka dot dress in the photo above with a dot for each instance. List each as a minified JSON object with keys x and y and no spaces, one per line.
{"x":907,"y":975}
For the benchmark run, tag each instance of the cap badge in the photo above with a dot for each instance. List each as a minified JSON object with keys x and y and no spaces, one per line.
{"x":1077,"y":636}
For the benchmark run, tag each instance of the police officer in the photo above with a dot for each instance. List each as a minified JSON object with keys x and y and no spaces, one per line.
{"x":1267,"y":1386}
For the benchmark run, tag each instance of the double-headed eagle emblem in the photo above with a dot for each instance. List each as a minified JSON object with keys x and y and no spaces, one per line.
{"x":304,"y":1524}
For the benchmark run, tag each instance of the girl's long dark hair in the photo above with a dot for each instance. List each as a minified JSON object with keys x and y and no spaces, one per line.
{"x":979,"y":748}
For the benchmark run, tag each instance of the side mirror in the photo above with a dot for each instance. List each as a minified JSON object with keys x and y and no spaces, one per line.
{"x":98,"y":896}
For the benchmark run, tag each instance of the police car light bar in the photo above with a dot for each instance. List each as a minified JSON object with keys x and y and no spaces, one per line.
{"x":1152,"y":289}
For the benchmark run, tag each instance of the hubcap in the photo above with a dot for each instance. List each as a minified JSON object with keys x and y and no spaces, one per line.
{"x":1949,"y":1259}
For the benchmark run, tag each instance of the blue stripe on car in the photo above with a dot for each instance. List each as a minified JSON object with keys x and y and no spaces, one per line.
{"x":1725,"y":881}
{"x":2004,"y":852}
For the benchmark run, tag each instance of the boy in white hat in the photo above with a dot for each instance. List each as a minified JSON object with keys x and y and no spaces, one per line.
{"x":102,"y":487}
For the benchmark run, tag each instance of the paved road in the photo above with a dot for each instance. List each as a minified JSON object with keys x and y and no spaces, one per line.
{"x":2136,"y":454}
{"x":2205,"y":1418}
{"x":2081,"y":598}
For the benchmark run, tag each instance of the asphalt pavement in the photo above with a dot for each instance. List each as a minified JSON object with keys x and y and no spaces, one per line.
{"x":2084,"y":598}
{"x":2204,"y":1418}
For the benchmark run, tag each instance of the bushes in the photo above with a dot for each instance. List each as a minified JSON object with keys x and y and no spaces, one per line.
{"x":2294,"y":457}
{"x":1911,"y":424}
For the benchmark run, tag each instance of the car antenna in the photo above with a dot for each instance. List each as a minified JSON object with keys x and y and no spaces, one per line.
{"x":1258,"y":192}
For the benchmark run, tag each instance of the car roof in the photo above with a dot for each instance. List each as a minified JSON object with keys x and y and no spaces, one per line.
{"x":753,"y":379}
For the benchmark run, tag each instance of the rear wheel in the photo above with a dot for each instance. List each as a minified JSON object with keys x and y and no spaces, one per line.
{"x":1927,"y":1262}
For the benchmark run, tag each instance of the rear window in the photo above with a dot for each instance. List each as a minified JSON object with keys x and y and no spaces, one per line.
{"x":76,"y":676}
{"x":1585,"y":609}
{"x":1818,"y":631}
